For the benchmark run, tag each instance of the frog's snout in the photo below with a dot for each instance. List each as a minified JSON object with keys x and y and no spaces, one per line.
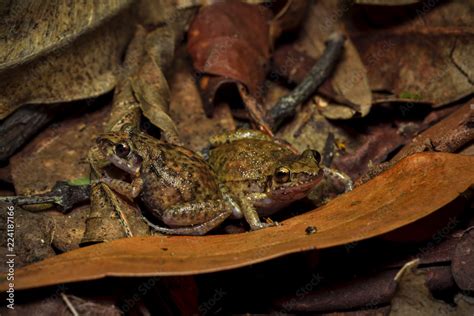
{"x":311,"y":153}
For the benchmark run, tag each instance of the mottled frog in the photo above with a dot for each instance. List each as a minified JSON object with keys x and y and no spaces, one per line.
{"x":174,"y":183}
{"x":261,"y":175}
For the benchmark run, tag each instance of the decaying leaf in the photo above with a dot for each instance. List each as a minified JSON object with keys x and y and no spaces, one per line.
{"x":230,"y":42}
{"x":289,"y":17}
{"x":57,"y":154}
{"x":155,"y":58}
{"x":366,"y":291}
{"x":111,"y":217}
{"x":57,"y":304}
{"x":60,"y":52}
{"x":33,"y":237}
{"x":413,"y":297}
{"x":449,"y":135}
{"x":427,"y":59}
{"x":69,"y":228}
{"x":349,"y":80}
{"x":387,"y":2}
{"x":463,"y":261}
{"x":389,"y":201}
{"x":152,"y":92}
{"x":309,"y":129}
{"x":186,"y":109}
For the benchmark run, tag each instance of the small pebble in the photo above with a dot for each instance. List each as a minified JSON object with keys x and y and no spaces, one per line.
{"x":310,"y":230}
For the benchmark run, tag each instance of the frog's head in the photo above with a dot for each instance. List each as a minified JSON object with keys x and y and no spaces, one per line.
{"x":122,"y":151}
{"x":293,"y":178}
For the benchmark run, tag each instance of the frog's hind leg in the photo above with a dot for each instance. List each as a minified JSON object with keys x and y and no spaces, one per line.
{"x":196,"y":218}
{"x":196,"y":230}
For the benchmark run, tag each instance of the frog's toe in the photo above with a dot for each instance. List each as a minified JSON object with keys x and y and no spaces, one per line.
{"x":264,"y":225}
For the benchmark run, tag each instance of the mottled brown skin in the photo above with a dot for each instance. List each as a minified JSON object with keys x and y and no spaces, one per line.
{"x":262,"y":175}
{"x":175,"y":184}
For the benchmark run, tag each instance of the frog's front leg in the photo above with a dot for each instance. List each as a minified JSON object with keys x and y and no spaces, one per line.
{"x":251,"y":214}
{"x":198,"y":218}
{"x":129,"y":190}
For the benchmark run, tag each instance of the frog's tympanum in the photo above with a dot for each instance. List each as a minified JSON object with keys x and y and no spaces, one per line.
{"x":176,"y":185}
{"x":261,"y":175}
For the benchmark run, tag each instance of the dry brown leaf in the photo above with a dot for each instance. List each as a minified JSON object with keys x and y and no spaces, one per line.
{"x":57,"y":154}
{"x":33,"y":235}
{"x":414,"y":298}
{"x":434,"y":135}
{"x":230,"y":42}
{"x":387,"y":2}
{"x":289,"y":17}
{"x":69,"y":228}
{"x":349,"y":80}
{"x":449,"y":135}
{"x":152,"y":92}
{"x":111,"y":217}
{"x":463,"y":261}
{"x":60,"y":52}
{"x":186,"y":109}
{"x":427,"y":58}
{"x":396,"y":198}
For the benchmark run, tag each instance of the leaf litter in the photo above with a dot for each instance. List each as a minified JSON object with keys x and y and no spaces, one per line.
{"x":378,"y":100}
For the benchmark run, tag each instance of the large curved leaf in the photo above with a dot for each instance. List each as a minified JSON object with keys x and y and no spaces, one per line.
{"x":412,"y":189}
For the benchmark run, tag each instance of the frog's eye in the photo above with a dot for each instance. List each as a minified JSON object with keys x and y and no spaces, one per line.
{"x":122,"y":150}
{"x":282,"y":175}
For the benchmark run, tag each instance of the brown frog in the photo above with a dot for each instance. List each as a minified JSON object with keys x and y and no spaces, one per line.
{"x":261,"y":175}
{"x":175,"y":184}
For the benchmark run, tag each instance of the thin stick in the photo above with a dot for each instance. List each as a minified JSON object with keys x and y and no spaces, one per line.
{"x":71,"y":307}
{"x":286,"y":106}
{"x":63,"y":194}
{"x":22,"y":125}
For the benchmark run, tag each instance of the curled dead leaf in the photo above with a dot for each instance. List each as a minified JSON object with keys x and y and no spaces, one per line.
{"x":186,"y":108}
{"x":230,"y":40}
{"x":398,"y":197}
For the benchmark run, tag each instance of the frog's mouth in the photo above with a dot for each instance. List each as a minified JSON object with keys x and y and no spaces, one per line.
{"x":125,"y":165}
{"x":296,"y":190}
{"x":131,"y":165}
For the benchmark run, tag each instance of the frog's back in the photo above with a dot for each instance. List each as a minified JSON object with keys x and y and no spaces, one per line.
{"x":178,"y":175}
{"x":246,"y":160}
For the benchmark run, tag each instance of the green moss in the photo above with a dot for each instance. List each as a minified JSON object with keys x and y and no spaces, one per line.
{"x":409,"y":95}
{"x":80,"y":181}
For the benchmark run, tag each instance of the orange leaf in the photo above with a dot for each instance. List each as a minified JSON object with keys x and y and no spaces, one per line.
{"x":412,"y":189}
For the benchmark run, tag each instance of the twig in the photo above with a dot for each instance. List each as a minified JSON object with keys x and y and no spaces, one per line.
{"x":21,"y":125}
{"x":286,"y":106}
{"x":71,"y":307}
{"x":451,"y":134}
{"x":63,"y":194}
